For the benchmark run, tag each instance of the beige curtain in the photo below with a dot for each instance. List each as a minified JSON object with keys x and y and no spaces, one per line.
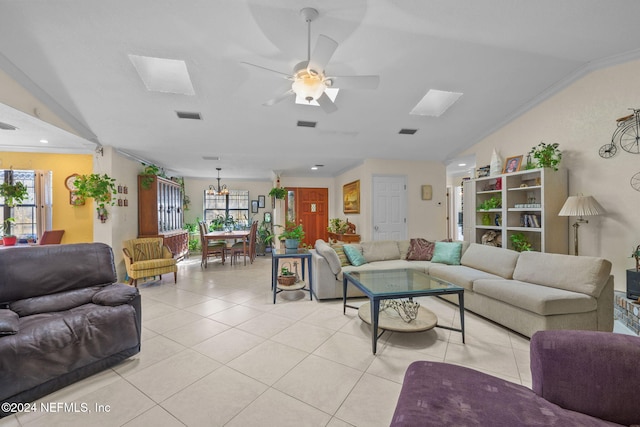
{"x":44,"y":204}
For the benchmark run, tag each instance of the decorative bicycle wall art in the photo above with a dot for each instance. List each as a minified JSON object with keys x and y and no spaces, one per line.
{"x":627,"y":135}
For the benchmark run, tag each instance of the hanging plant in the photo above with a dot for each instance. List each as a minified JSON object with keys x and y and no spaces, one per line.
{"x":99,"y":188}
{"x":278,"y":192}
{"x":547,"y":155}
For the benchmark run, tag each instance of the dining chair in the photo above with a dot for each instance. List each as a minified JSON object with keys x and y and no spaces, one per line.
{"x":210,"y":247}
{"x":247,"y":248}
{"x":51,"y":237}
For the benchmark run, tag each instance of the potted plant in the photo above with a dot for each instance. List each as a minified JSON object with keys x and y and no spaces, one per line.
{"x":292,"y":235}
{"x":148,"y":174}
{"x":278,"y":192}
{"x":494,"y":202}
{"x":265,"y":238}
{"x":13,"y":194}
{"x":547,"y":155}
{"x":520,"y":242}
{"x":99,"y":188}
{"x":286,"y":277}
{"x":338,"y":226}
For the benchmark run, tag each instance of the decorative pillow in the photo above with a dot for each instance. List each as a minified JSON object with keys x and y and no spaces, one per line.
{"x":354,"y":255}
{"x":344,"y":261}
{"x":380,"y":250}
{"x":147,"y":250}
{"x":447,"y":253}
{"x":9,"y":324}
{"x":420,"y":250}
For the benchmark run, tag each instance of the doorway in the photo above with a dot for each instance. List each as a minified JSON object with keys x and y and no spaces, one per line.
{"x":389,"y":207}
{"x":309,"y":207}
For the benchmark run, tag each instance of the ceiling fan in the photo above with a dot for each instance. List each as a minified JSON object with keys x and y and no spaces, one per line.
{"x":309,"y":79}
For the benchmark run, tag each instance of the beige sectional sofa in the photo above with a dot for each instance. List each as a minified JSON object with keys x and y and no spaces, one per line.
{"x":526,"y":292}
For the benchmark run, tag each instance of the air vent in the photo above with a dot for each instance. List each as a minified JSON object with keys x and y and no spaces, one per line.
{"x":188,"y":115}
{"x":303,"y":124}
{"x":6,"y":126}
{"x":211,"y":157}
{"x":405,"y":131}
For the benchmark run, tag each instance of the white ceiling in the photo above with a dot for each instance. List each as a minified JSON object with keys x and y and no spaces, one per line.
{"x":504,"y":55}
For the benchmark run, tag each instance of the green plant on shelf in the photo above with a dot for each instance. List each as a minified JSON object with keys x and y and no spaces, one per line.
{"x":520,"y":242}
{"x":547,"y":155}
{"x":494,"y":202}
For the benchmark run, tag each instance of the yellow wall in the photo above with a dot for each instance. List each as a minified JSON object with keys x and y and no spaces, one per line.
{"x":76,"y":221}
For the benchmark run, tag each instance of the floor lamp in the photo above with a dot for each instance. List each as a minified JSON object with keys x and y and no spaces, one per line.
{"x":580,"y":206}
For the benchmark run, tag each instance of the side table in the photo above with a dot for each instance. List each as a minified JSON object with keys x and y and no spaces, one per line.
{"x":302,"y":255}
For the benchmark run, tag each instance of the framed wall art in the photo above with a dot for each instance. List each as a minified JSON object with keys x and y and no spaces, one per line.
{"x":261,"y":201}
{"x":254,"y":206}
{"x":512,"y":164}
{"x":351,"y":197}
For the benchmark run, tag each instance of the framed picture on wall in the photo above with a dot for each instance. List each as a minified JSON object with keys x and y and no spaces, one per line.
{"x":351,"y":197}
{"x":254,"y":206}
{"x":261,"y":201}
{"x":267,"y":217}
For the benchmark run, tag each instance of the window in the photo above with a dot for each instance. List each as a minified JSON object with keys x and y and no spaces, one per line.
{"x":234,"y":205}
{"x":25,"y":224}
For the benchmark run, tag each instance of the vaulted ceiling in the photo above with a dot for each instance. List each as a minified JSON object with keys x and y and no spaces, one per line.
{"x":503,"y":55}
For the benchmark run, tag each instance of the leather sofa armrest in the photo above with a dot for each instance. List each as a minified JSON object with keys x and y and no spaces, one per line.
{"x":589,"y":372}
{"x":115,"y":294}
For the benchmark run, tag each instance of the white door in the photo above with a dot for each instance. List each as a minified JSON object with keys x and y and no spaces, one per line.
{"x":389,"y":208}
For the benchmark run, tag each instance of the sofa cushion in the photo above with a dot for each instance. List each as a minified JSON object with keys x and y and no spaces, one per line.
{"x":355,"y":256}
{"x":152,"y":264}
{"x":420,"y":250}
{"x":55,"y":302}
{"x":9,"y":322}
{"x":587,"y":275}
{"x":491,"y":259}
{"x":459,"y":275}
{"x":403,"y":247}
{"x":329,"y":254}
{"x":447,"y":253}
{"x":542,"y":300}
{"x":146,"y":251}
{"x":380,"y":250}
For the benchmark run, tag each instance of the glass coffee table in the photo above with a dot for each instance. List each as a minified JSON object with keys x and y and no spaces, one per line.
{"x":396,"y":284}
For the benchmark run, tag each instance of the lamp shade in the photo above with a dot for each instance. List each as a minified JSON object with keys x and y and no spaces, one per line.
{"x":581,"y":206}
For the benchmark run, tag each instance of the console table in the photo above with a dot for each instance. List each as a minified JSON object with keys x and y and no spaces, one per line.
{"x":346,"y":238}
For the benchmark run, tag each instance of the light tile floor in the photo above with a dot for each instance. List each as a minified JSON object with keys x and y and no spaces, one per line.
{"x":217,"y":352}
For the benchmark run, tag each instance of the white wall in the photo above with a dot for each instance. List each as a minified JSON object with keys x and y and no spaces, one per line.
{"x":582,"y":118}
{"x":123,"y":221}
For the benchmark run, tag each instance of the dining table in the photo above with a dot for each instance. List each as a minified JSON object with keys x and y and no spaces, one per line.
{"x":230,"y":235}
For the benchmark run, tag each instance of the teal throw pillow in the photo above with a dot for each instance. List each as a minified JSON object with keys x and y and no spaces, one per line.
{"x":447,"y":253}
{"x":354,"y":256}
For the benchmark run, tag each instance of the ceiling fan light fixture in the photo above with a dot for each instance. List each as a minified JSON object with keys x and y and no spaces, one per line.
{"x":308,"y":87}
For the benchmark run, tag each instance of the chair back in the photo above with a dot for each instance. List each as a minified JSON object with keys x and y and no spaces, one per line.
{"x":202,"y":226}
{"x":51,"y":237}
{"x":144,"y":248}
{"x":253,"y":233}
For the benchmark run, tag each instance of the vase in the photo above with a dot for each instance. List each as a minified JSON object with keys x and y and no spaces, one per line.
{"x":495,"y":167}
{"x":486,"y":219}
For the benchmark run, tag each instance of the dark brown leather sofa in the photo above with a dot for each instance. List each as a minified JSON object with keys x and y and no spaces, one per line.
{"x":62,"y":318}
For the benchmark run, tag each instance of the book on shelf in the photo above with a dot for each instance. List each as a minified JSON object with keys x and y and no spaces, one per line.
{"x":530,"y":220}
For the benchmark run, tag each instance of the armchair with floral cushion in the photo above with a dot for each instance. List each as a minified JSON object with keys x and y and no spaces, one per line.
{"x":148,"y":257}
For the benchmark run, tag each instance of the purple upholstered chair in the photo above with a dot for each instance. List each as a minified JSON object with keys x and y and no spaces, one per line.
{"x":580,"y":378}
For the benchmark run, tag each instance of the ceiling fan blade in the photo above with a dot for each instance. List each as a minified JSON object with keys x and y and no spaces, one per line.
{"x":355,"y":82}
{"x":285,"y":75}
{"x":279,"y":98}
{"x":322,"y":53}
{"x":326,"y":103}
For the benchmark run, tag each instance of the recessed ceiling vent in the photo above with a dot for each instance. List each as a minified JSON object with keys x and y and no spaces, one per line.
{"x":405,"y":131}
{"x":211,"y":157}
{"x":304,"y":124}
{"x":188,"y":115}
{"x":7,"y":126}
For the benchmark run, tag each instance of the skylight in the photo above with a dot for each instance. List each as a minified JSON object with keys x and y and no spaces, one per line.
{"x":163,"y":75}
{"x":332,"y":93}
{"x":435,"y":103}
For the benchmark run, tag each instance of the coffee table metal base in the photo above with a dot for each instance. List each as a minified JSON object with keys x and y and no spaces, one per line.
{"x":389,"y":320}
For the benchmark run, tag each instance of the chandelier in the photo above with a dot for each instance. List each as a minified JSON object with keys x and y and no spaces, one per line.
{"x":221,"y":190}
